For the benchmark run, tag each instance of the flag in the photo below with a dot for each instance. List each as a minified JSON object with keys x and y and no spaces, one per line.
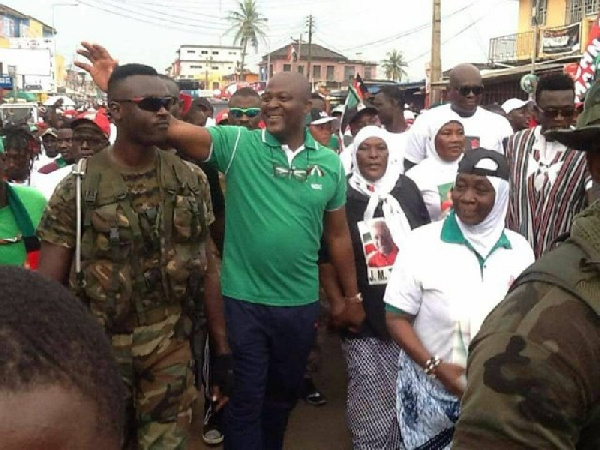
{"x":589,"y":66}
{"x":292,"y":54}
{"x":354,"y":102}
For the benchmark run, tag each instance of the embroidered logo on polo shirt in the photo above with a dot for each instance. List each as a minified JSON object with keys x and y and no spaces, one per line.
{"x":315,"y":170}
{"x":316,"y":186}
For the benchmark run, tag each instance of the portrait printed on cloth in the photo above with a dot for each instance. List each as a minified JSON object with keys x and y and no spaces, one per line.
{"x":379,"y":249}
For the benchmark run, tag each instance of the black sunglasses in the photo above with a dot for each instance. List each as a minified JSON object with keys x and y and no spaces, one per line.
{"x":153,"y":104}
{"x":466,"y":90}
{"x":552,"y":113}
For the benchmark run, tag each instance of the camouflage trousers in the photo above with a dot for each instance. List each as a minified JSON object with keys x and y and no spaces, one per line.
{"x":155,"y":365}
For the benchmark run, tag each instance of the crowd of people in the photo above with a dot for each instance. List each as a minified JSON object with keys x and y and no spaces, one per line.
{"x":165,"y":253}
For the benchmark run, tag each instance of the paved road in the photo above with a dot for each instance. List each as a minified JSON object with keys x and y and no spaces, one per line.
{"x":312,"y":428}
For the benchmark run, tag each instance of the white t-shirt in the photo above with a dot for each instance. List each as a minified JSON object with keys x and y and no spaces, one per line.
{"x":443,"y":284}
{"x":46,"y":183}
{"x":483,"y":129}
{"x":435,"y":180}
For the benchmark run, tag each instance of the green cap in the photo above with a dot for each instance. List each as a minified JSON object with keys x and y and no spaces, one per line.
{"x":587,"y":131}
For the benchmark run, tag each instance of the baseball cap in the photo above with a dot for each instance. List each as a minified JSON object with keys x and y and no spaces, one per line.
{"x":338,"y":109}
{"x":318,"y":117}
{"x":587,"y":131}
{"x":356,"y":114}
{"x":98,"y":118}
{"x":513,"y":103}
{"x":486,"y":163}
{"x":49,"y":131}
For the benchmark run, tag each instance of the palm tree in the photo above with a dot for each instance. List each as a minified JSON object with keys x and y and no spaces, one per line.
{"x":249,"y":26}
{"x":394,"y":65}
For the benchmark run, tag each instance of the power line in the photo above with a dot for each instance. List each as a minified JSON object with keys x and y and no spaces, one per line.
{"x":408,"y":32}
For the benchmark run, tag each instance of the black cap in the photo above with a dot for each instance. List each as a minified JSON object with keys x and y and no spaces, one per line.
{"x":354,"y":115}
{"x":486,"y":163}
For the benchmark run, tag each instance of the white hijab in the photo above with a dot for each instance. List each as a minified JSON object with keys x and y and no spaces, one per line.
{"x":379,"y":191}
{"x":484,"y":236}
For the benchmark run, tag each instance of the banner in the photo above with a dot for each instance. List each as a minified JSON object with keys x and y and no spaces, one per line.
{"x":556,"y":41}
{"x":588,"y":66}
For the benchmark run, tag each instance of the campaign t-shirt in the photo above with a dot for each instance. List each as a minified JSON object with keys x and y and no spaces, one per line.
{"x":483,"y":129}
{"x":14,"y":254}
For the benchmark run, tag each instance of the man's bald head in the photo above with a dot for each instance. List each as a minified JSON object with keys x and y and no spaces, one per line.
{"x":466,"y":89}
{"x":465,"y":74}
{"x":295,"y":82}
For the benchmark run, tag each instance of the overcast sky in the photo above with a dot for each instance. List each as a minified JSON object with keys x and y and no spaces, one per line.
{"x":150,"y":31}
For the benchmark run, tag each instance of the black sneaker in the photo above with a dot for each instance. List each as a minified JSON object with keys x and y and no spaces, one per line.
{"x":211,"y":432}
{"x":312,"y":395}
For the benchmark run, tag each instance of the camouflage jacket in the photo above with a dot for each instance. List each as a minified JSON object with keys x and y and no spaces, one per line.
{"x":533,"y":369}
{"x":142,"y":235}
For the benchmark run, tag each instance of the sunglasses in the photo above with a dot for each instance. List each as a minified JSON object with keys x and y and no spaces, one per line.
{"x":152,"y":104}
{"x":238,"y":113}
{"x":553,"y":113}
{"x":466,"y":90}
{"x":280,"y":171}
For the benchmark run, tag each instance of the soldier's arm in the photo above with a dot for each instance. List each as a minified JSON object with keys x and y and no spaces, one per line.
{"x":536,"y":386}
{"x":57,"y":234}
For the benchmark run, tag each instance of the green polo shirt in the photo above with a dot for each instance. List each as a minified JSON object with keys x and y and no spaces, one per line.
{"x":274,"y":214}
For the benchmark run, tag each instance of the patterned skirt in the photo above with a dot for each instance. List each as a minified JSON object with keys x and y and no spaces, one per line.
{"x":426,"y":411}
{"x":371,"y":404}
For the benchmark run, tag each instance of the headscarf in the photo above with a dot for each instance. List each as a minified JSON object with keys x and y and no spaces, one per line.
{"x":379,"y":191}
{"x":484,"y":236}
{"x":430,"y":145}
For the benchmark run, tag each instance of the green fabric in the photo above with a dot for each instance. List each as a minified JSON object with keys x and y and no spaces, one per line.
{"x":274,"y":225}
{"x":393,"y":309}
{"x":33,"y":203}
{"x":452,"y":234}
{"x":60,"y":162}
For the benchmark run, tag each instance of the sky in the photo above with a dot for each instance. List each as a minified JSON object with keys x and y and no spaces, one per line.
{"x":150,"y":31}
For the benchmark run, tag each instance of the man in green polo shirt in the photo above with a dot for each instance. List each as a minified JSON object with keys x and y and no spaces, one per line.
{"x":284,"y":192}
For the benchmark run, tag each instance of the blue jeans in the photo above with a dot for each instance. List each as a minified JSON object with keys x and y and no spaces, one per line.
{"x":270,"y":347}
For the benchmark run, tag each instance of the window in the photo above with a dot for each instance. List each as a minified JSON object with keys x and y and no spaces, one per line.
{"x":317,"y":72}
{"x":300,"y":69}
{"x":230,"y":68}
{"x":368,"y":73}
{"x":578,"y":9}
{"x":349,"y":72}
{"x":287,"y":67}
{"x":195,"y":67}
{"x":330,"y":73}
{"x":204,"y":52}
{"x":215,"y":67}
{"x":542,"y":11}
{"x":215,"y":53}
{"x":192,"y":52}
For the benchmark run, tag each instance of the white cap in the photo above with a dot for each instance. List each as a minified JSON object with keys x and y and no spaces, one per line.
{"x":338,"y":109}
{"x":409,"y":115}
{"x":513,"y":103}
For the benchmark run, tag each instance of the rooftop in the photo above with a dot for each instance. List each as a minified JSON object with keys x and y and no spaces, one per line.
{"x":317,"y":52}
{"x":6,"y":11}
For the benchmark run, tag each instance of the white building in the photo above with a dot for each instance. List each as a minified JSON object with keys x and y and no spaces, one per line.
{"x":200,"y":62}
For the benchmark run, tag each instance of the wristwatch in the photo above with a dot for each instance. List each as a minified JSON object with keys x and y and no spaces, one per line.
{"x":358,"y":298}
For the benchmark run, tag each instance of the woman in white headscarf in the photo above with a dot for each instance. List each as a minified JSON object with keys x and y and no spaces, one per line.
{"x":382,"y":207}
{"x":435,"y":176}
{"x":451,"y":275}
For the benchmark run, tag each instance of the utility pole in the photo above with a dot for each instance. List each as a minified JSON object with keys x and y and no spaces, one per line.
{"x":536,"y":31}
{"x":299,"y":59}
{"x":310,"y":23}
{"x":436,"y":52}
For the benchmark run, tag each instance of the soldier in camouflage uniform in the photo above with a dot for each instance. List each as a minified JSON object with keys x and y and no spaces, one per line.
{"x":533,"y":368}
{"x":144,"y":220}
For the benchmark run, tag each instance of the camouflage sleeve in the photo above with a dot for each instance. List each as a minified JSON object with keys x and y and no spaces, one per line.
{"x":204,"y":192}
{"x":58,"y":224}
{"x":531,"y":373}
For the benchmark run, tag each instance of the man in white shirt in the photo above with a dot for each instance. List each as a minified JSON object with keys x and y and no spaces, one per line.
{"x":389,"y":102}
{"x":482,"y":128}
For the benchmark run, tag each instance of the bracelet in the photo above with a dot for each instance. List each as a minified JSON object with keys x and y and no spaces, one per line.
{"x":431,"y":365}
{"x":358,"y":298}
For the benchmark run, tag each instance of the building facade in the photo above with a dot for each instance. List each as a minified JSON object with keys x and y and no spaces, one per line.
{"x":207,"y":64}
{"x":328,"y":67}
